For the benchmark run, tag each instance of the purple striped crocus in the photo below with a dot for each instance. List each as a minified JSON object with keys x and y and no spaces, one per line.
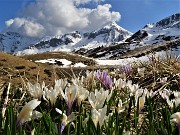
{"x":105,"y":79}
{"x":126,"y":69}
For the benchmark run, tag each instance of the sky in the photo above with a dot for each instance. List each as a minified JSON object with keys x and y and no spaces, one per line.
{"x":38,"y":18}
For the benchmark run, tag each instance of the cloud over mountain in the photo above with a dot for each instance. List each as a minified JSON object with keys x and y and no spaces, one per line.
{"x":53,"y":17}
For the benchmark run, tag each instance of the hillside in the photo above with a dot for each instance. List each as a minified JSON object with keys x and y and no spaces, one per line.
{"x":19,"y":69}
{"x":16,"y":70}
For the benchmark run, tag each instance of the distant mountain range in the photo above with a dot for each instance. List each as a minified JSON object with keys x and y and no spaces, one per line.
{"x":108,"y":36}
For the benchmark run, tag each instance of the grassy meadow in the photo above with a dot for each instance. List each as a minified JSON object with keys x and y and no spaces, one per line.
{"x":137,"y":99}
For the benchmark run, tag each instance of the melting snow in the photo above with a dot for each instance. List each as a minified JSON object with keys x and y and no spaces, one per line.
{"x":145,"y":58}
{"x":53,"y":61}
{"x":66,"y":63}
{"x":79,"y":65}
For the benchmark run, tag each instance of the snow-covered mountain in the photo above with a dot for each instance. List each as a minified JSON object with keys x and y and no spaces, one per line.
{"x":110,"y":39}
{"x":104,"y":36}
{"x":164,"y":34}
{"x":164,"y":30}
{"x":11,"y":42}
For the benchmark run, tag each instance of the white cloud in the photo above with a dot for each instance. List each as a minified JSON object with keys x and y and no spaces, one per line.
{"x":86,"y":1}
{"x":9,"y":22}
{"x":26,"y":27}
{"x":53,"y":17}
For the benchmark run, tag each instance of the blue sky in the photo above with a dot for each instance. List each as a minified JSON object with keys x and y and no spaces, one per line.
{"x":134,"y":13}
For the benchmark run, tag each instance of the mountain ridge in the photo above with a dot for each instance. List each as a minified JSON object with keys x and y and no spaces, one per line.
{"x":66,"y":42}
{"x":107,"y":35}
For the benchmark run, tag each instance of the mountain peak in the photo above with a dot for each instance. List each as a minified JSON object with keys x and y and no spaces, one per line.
{"x":111,"y":24}
{"x":169,"y":21}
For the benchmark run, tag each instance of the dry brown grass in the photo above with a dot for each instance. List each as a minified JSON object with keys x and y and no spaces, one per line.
{"x":17,"y":70}
{"x":157,"y":69}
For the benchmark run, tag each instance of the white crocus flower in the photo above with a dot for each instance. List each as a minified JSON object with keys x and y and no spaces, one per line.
{"x":60,"y":84}
{"x":153,"y":93}
{"x":36,"y":90}
{"x":120,"y":107}
{"x":66,"y":119}
{"x":51,"y":95}
{"x":173,"y":102}
{"x":141,"y":102}
{"x":82,"y":94}
{"x":99,"y":116}
{"x":98,"y":98}
{"x":70,"y":95}
{"x":163,"y":80}
{"x":176,"y":94}
{"x":78,"y":81}
{"x":165,"y":93}
{"x":141,"y":96}
{"x":33,"y":132}
{"x":141,"y":71}
{"x":176,"y":118}
{"x":27,"y":113}
{"x":119,"y":84}
{"x":132,"y":87}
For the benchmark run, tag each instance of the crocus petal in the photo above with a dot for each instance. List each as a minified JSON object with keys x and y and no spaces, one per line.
{"x":102,"y":115}
{"x":95,"y":117}
{"x":98,"y":74}
{"x":71,"y":93}
{"x":99,"y":116}
{"x":141,"y":102}
{"x":52,"y":95}
{"x":36,"y":115}
{"x":66,"y":119}
{"x":36,"y":90}
{"x":26,"y":112}
{"x":176,"y":118}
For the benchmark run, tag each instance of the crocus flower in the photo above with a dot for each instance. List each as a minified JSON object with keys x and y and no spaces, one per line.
{"x":51,"y":95}
{"x":141,"y":71}
{"x":82,"y":94}
{"x":132,"y":87}
{"x":66,"y":119}
{"x":78,"y":81}
{"x":120,"y":107}
{"x":60,"y":84}
{"x":36,"y":90}
{"x":126,"y":69}
{"x":141,"y":102}
{"x":140,"y":96}
{"x":165,"y":93}
{"x":153,"y":93}
{"x":99,"y":116}
{"x":70,"y":95}
{"x":163,"y":80}
{"x":173,"y":102}
{"x":98,"y":98}
{"x":105,"y":79}
{"x":176,"y":94}
{"x":27,"y":112}
{"x":119,"y":84}
{"x":176,"y":118}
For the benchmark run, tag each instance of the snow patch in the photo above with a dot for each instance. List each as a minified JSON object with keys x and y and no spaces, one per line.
{"x":80,"y":65}
{"x":53,"y":61}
